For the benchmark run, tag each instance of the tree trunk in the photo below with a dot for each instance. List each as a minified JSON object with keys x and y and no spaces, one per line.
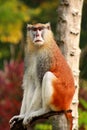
{"x":68,"y":36}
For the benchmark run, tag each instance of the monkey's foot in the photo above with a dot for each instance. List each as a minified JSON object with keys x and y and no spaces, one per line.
{"x":15,"y":119}
{"x":28,"y":119}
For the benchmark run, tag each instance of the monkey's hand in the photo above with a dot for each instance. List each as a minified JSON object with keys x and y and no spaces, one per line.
{"x":28,"y":118}
{"x":15,"y":119}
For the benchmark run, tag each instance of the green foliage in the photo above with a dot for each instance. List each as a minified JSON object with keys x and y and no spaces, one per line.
{"x":83,"y":64}
{"x":43,"y":127}
{"x":83,"y":114}
{"x":83,"y":119}
{"x":83,"y":84}
{"x":47,"y":13}
{"x":84,"y":103}
{"x":4,"y":53}
{"x":12,"y":15}
{"x":83,"y":40}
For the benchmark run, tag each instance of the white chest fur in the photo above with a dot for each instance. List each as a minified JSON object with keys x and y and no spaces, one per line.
{"x":30,"y":76}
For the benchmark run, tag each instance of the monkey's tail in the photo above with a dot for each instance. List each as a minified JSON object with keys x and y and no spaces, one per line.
{"x":69,"y":117}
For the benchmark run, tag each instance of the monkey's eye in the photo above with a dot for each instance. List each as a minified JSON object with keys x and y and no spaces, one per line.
{"x":40,"y":28}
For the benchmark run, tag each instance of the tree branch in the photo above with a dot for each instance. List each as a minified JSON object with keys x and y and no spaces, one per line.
{"x":19,"y":126}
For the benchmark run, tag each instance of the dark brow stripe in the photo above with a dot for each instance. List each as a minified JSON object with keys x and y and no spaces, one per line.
{"x":36,"y":28}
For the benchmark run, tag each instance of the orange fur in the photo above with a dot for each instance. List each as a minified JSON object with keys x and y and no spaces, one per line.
{"x":69,"y":119}
{"x":63,"y":85}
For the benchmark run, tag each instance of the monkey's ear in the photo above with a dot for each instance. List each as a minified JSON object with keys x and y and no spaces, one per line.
{"x":29,"y":26}
{"x":48,"y":26}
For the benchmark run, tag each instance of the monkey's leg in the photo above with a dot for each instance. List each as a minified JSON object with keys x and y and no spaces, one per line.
{"x":47,"y":91}
{"x":34,"y":105}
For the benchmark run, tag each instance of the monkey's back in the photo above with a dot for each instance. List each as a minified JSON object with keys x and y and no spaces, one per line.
{"x":63,"y":87}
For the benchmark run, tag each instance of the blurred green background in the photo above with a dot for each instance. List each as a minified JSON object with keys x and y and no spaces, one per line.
{"x":14,"y":16}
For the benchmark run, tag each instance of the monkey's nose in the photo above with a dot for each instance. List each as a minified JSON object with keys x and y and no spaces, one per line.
{"x":37,"y":35}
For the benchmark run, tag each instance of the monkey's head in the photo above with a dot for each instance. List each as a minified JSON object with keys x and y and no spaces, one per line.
{"x":39,"y":34}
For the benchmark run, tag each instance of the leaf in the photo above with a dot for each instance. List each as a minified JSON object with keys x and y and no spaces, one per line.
{"x":12,"y":16}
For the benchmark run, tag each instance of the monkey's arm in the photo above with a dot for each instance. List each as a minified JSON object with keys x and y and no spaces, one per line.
{"x":22,"y":111}
{"x":21,"y":116}
{"x":36,"y":100}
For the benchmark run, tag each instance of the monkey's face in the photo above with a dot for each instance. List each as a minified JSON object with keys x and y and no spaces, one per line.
{"x":37,"y":33}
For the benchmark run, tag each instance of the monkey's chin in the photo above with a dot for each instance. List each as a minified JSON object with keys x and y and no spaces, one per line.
{"x":39,"y":43}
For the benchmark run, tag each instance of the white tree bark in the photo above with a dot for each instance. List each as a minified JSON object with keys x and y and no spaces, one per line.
{"x":68,"y":36}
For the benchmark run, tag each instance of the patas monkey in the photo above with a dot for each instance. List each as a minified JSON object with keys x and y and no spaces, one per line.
{"x":48,"y":82}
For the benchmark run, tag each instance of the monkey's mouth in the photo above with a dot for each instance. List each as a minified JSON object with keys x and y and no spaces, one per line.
{"x":38,"y":41}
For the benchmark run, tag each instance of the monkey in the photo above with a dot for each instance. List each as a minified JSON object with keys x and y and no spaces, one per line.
{"x":48,"y":82}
